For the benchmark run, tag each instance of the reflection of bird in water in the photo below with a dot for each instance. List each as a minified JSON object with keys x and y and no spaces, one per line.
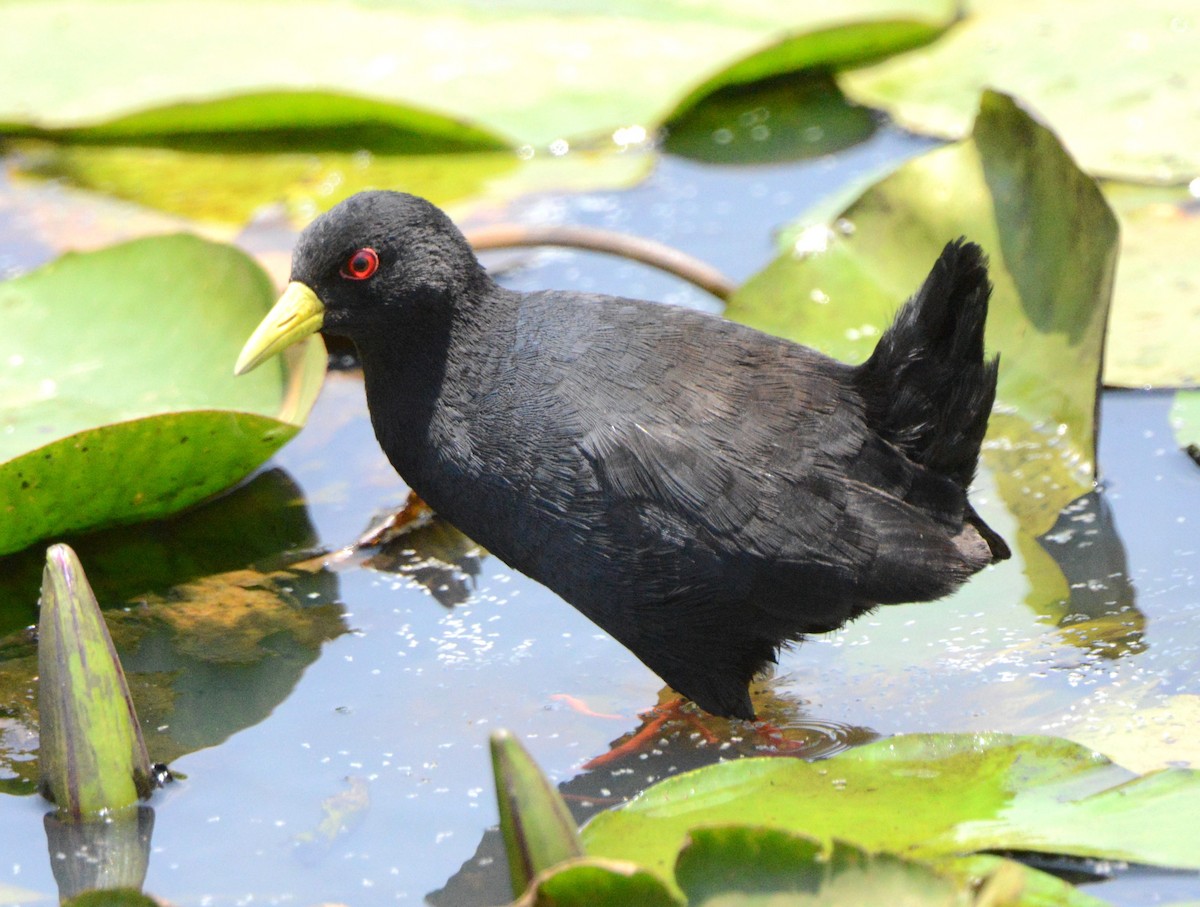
{"x":705,"y":493}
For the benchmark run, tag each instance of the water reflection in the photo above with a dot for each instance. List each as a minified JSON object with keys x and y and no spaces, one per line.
{"x":102,"y":854}
{"x":437,"y":557}
{"x":127,"y":561}
{"x":688,"y":740}
{"x":1100,"y":614}
{"x":209,"y":645}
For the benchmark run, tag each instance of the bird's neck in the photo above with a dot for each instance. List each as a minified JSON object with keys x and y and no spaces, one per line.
{"x":424,"y":381}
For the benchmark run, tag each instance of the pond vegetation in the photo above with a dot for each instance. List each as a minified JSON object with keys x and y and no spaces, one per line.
{"x":327,"y":705}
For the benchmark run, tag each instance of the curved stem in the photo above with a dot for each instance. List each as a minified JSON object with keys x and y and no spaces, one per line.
{"x":647,"y":251}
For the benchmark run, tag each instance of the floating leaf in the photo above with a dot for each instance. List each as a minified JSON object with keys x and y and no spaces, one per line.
{"x":537,"y":826}
{"x":764,"y":867}
{"x":925,"y":796}
{"x":516,"y":71}
{"x":92,"y":760}
{"x":1119,"y":81}
{"x":782,"y":119}
{"x":116,"y":396}
{"x":278,"y":121}
{"x":1051,"y":240}
{"x":111,"y":897}
{"x":1154,"y":329}
{"x":598,"y":883}
{"x":1144,"y":735}
{"x":1185,"y":418}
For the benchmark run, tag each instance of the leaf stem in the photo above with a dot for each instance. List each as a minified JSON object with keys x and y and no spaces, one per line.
{"x":637,"y":248}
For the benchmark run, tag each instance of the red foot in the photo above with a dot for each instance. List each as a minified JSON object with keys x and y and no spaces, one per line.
{"x":658,"y":716}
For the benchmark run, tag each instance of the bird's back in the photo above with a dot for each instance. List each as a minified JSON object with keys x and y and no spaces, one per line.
{"x":641,"y":459}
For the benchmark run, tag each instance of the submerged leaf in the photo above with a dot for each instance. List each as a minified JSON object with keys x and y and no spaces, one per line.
{"x":204,"y":660}
{"x":116,"y":395}
{"x":91,"y":756}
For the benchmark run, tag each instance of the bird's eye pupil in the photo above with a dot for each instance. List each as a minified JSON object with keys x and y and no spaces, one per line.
{"x":361,"y":265}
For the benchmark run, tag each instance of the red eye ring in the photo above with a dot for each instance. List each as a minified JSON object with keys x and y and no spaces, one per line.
{"x":361,"y":265}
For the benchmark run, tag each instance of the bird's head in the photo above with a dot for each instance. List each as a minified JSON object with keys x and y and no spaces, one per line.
{"x":358,"y":267}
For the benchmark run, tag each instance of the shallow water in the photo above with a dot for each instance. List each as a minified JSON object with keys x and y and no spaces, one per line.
{"x":387,"y":720}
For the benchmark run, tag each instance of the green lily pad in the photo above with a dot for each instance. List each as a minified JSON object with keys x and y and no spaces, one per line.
{"x":1157,"y":732}
{"x":763,"y":867}
{"x":512,"y":70}
{"x":1119,"y":81}
{"x":230,"y":187}
{"x":278,"y":121}
{"x":1154,"y":329}
{"x":926,"y":796}
{"x":1051,"y":240}
{"x":781,"y":119}
{"x":117,"y":400}
{"x":587,"y":882}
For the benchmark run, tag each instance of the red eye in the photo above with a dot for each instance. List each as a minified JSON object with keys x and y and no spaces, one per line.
{"x":361,"y":265}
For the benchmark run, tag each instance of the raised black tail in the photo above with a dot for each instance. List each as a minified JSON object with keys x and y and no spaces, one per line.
{"x":927,"y":387}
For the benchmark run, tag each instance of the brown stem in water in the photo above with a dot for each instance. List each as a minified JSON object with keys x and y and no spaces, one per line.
{"x":647,"y":251}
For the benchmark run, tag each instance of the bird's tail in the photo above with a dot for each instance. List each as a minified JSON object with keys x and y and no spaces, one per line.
{"x":927,"y":387}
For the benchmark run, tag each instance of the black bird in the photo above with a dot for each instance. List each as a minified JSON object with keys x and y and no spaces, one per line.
{"x":704,"y":492}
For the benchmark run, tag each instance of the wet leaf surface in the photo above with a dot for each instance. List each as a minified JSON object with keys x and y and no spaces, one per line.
{"x":928,"y":796}
{"x":102,"y":427}
{"x":514,"y":72}
{"x":1118,"y":81}
{"x":1154,"y":328}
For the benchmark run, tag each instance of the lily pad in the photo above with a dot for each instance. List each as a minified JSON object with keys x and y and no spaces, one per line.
{"x":1154,"y":331}
{"x":511,"y":70}
{"x":781,"y":119}
{"x":231,"y":187}
{"x":1051,"y":240}
{"x":1145,"y":735}
{"x":117,"y":400}
{"x":589,"y":882}
{"x":926,"y":796}
{"x":763,"y":867}
{"x":1118,"y":80}
{"x":1185,"y":418}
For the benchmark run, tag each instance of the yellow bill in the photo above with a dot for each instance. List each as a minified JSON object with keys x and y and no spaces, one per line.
{"x":297,"y":314}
